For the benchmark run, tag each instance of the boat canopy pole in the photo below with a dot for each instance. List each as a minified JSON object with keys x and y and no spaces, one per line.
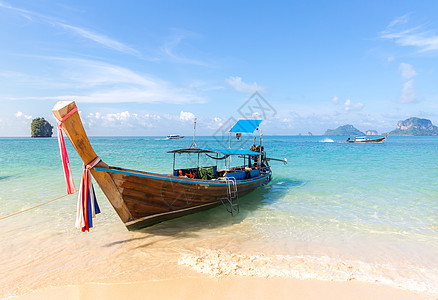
{"x":284,"y":160}
{"x":259,"y":160}
{"x":217,"y":157}
{"x":261,"y":135}
{"x":229,"y":147}
{"x":229,"y":140}
{"x":194,"y":136}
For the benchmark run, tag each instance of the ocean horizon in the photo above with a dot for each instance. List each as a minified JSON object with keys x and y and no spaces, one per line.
{"x":336,"y":212}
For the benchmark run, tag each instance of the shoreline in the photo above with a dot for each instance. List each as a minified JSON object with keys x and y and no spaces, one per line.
{"x":229,"y":288}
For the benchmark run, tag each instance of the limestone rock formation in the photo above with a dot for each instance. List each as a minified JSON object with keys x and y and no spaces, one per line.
{"x":344,"y":130}
{"x":415,"y":126}
{"x":41,"y":128}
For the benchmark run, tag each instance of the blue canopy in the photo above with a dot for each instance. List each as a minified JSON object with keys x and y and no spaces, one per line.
{"x":246,"y":126}
{"x":224,"y":151}
{"x":235,"y":152}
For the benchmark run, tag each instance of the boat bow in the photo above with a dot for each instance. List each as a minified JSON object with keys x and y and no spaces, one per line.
{"x":75,"y":131}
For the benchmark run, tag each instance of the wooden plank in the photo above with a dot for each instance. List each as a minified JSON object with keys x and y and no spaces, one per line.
{"x":74,"y":130}
{"x":144,"y":195}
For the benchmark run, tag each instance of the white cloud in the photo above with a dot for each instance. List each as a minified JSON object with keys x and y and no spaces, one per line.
{"x":186,"y":116}
{"x":218,"y":121}
{"x":116,"y":120}
{"x":350,"y":106}
{"x":20,"y":115}
{"x":169,"y":49}
{"x":335,"y":100}
{"x":85,"y":33}
{"x":408,"y":92}
{"x":424,"y":40}
{"x":98,"y":82}
{"x":129,"y":122}
{"x":101,"y":39}
{"x":136,"y":95}
{"x":407,"y":71}
{"x":214,"y":123}
{"x":399,"y":20}
{"x":198,"y":85}
{"x":121,"y":116}
{"x":152,"y":116}
{"x":240,"y":86}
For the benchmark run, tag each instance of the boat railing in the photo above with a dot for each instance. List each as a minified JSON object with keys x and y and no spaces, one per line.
{"x":231,"y":203}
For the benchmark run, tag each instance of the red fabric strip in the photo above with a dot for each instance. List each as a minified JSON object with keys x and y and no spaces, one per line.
{"x":64,"y":157}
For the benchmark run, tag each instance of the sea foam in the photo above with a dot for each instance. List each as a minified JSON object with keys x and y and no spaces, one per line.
{"x":221,"y":263}
{"x":327,"y":140}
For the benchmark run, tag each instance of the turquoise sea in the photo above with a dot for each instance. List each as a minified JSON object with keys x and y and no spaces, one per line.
{"x":337,"y":211}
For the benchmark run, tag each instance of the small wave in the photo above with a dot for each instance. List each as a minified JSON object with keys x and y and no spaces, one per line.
{"x":327,"y":140}
{"x":219,"y":263}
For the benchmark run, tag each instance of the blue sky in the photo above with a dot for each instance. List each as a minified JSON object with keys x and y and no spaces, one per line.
{"x":150,"y":67}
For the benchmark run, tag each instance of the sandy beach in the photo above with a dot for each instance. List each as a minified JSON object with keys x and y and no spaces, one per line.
{"x":225,"y":288}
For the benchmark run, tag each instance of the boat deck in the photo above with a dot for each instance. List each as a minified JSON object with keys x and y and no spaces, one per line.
{"x":211,"y":173}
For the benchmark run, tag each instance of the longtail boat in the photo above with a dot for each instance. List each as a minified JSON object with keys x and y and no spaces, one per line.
{"x":142,"y":199}
{"x":174,"y":137}
{"x":364,"y":139}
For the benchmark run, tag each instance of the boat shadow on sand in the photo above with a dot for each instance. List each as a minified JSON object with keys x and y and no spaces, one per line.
{"x":218,"y":217}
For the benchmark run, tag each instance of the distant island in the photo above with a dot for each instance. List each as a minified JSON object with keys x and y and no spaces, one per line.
{"x":344,"y":130}
{"x":371,"y":132}
{"x":415,"y":126}
{"x":41,"y":128}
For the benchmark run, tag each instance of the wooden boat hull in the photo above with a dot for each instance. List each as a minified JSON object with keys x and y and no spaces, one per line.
{"x":153,"y":198}
{"x":140,"y":198}
{"x":378,"y":140}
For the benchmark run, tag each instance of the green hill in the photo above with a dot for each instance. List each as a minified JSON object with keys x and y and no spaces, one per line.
{"x":344,"y":130}
{"x":415,"y":126}
{"x":40,"y":128}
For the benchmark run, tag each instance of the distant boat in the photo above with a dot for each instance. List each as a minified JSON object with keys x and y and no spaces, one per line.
{"x":174,"y":137}
{"x":364,"y":139}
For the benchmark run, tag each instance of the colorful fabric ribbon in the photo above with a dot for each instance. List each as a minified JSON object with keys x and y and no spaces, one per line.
{"x":87,"y":207}
{"x":64,"y":156}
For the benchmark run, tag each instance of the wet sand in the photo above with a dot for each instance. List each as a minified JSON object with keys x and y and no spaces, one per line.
{"x":226,"y":288}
